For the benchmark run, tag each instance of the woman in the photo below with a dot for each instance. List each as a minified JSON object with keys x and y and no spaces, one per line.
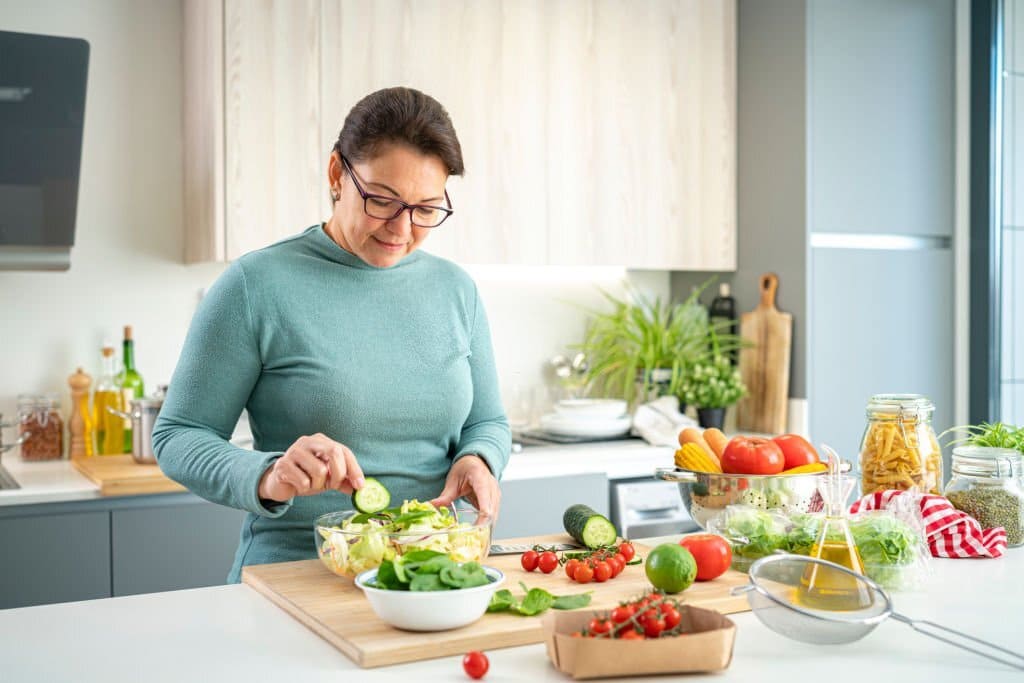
{"x":355,"y":353}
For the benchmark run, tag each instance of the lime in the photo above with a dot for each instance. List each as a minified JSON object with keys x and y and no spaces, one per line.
{"x":670,"y":567}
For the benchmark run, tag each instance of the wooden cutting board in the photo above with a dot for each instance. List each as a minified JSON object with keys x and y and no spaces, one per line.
{"x":765,"y":365}
{"x":336,"y":610}
{"x":120,"y":475}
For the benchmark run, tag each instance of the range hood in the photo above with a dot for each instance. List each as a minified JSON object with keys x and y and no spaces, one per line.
{"x":42,"y":109}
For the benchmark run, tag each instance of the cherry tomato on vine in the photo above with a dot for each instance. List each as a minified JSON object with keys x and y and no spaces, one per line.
{"x":671,"y":616}
{"x":654,"y":627}
{"x":622,"y":614}
{"x":602,"y":572}
{"x":599,"y":626}
{"x":547,"y":562}
{"x":570,"y":568}
{"x":475,"y":664}
{"x":616,"y":564}
{"x":583,"y":574}
{"x":529,"y":560}
{"x":628,"y":551}
{"x":630,"y":634}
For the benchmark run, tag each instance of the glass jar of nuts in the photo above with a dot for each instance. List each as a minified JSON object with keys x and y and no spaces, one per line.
{"x":41,"y":427}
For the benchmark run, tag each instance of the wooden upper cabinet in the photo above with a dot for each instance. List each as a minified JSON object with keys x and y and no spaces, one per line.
{"x":593,"y":132}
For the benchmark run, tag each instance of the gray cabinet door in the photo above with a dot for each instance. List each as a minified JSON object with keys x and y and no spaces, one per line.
{"x":172,"y":547}
{"x":54,"y":558}
{"x":534,"y":507}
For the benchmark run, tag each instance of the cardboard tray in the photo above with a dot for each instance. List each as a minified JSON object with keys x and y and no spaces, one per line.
{"x":706,"y":647}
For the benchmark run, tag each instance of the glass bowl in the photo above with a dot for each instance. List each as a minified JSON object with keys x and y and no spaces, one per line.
{"x":430,"y":610}
{"x":348,"y":553}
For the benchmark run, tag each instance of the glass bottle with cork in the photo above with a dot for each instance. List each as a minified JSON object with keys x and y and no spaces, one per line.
{"x":109,"y":426}
{"x":130,"y":382}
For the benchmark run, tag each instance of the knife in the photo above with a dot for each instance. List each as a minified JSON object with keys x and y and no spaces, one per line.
{"x":515,"y":548}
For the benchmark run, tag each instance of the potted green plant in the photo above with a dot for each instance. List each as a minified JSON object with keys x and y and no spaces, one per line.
{"x":643,"y":348}
{"x":711,"y":385}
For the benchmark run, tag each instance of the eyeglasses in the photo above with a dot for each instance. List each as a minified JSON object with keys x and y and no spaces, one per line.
{"x":389,"y":208}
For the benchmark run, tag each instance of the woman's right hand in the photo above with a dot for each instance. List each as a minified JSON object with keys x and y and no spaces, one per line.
{"x":311,"y":465}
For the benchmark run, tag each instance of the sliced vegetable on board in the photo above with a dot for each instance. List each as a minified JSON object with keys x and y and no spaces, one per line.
{"x":589,"y":527}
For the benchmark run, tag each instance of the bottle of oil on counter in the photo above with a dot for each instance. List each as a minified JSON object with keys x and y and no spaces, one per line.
{"x":109,"y":427}
{"x":130,"y":382}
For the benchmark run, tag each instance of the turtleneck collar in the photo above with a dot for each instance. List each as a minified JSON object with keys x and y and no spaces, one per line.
{"x":331,"y":250}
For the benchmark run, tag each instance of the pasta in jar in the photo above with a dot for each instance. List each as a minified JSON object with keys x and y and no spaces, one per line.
{"x":900,"y":449}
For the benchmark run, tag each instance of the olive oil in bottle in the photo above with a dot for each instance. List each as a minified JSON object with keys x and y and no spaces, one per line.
{"x":109,"y":426}
{"x":130,"y":382}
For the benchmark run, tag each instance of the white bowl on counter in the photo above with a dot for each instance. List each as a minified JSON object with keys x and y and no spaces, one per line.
{"x":430,"y":610}
{"x":597,"y":408}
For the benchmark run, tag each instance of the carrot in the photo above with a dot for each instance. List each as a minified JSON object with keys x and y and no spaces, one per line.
{"x":716,"y":440}
{"x":692,"y":435}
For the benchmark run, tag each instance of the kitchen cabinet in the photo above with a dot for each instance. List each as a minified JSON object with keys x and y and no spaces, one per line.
{"x":534,"y":507}
{"x":585,"y":144}
{"x":172,"y":547}
{"x":54,"y":557}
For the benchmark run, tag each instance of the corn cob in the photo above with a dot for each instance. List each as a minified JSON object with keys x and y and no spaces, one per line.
{"x":693,"y":457}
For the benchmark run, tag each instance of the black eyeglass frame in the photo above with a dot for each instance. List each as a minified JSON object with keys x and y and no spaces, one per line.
{"x":402,"y":206}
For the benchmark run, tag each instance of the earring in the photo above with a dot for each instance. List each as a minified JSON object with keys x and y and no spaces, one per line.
{"x":335,"y":195}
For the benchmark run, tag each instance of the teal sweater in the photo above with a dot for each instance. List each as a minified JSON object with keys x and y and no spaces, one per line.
{"x":395,"y":363}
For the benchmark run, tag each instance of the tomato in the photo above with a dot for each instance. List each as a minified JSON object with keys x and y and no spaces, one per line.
{"x":712,"y":553}
{"x":529,"y":560}
{"x":622,"y":614}
{"x":570,"y":568}
{"x":654,"y":627}
{"x":630,"y":634}
{"x":583,"y":574}
{"x":627,"y":550}
{"x":599,"y":626}
{"x":547,"y":562}
{"x":796,"y":451}
{"x":616,"y":565}
{"x":751,"y":455}
{"x":671,"y":616}
{"x":475,"y":664}
{"x":602,"y":572}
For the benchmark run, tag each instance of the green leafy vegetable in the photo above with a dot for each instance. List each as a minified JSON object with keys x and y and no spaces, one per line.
{"x":536,"y":601}
{"x":990,"y":434}
{"x":426,"y":570}
{"x":754,"y":533}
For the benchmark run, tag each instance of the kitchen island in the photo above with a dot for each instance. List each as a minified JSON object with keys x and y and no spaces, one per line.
{"x":231,"y":633}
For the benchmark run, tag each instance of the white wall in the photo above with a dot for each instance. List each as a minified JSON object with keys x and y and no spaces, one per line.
{"x":126,"y":265}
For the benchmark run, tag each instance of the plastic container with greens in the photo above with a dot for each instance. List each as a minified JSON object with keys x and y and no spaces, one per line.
{"x":351,"y":542}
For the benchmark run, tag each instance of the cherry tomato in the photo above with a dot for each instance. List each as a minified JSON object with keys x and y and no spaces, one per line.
{"x":547,"y":562}
{"x":621,"y":558}
{"x":583,"y":574}
{"x":570,"y":568}
{"x":616,"y":565}
{"x":654,"y":627}
{"x":671,"y":616}
{"x":751,"y":455}
{"x":628,"y":551}
{"x":602,"y":572}
{"x":630,"y":634}
{"x":796,"y":451}
{"x":712,"y":553}
{"x":622,"y":614}
{"x":599,"y":626}
{"x":475,"y":664}
{"x":529,"y":560}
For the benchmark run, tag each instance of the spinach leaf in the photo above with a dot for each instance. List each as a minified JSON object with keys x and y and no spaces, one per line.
{"x":502,"y":601}
{"x":467,"y":575}
{"x":388,"y":579}
{"x":427,"y":582}
{"x":571,"y":601}
{"x":537,"y":600}
{"x":434,"y":565}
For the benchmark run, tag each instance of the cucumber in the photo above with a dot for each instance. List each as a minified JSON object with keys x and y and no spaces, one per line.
{"x":588,"y":527}
{"x":373,"y":497}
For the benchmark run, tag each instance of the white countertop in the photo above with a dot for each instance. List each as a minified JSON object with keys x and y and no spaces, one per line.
{"x":231,"y":633}
{"x":58,"y":481}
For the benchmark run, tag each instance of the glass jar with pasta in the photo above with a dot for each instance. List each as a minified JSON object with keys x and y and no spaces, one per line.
{"x":900,"y":449}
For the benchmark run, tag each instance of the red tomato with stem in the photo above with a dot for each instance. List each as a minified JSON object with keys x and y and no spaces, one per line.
{"x":529,"y":560}
{"x":570,"y":568}
{"x":622,"y":614}
{"x":547,"y":562}
{"x":671,"y":616}
{"x":627,"y":550}
{"x":584,"y":573}
{"x":751,"y":455}
{"x":602,"y":572}
{"x":712,"y":553}
{"x":630,"y":634}
{"x":796,"y":451}
{"x":475,"y":664}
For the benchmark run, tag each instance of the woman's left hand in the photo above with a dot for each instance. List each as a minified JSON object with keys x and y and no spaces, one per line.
{"x":470,"y":478}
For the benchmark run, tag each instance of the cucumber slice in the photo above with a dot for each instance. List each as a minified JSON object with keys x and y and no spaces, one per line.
{"x":588,"y":527}
{"x":373,"y":497}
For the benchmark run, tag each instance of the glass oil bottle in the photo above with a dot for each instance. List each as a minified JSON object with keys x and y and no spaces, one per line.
{"x":822,"y":587}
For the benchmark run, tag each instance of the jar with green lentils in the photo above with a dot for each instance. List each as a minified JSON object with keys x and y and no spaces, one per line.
{"x":988,"y":484}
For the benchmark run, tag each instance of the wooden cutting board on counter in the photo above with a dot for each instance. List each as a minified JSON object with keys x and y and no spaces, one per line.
{"x":765,"y":365}
{"x":120,"y":475}
{"x":336,"y":610}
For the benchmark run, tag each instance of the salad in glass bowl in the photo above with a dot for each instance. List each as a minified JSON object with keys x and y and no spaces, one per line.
{"x":351,"y":542}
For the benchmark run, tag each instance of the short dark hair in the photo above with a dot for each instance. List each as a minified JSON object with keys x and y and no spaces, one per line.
{"x":400,"y":115}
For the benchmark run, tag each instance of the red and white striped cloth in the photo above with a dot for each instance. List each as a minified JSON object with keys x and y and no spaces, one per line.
{"x":950,"y":532}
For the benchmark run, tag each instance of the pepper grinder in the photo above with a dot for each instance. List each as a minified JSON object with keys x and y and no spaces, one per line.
{"x":80,"y":425}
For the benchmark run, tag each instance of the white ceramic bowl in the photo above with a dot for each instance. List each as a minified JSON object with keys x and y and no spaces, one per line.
{"x":599,"y":408}
{"x":430,"y":610}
